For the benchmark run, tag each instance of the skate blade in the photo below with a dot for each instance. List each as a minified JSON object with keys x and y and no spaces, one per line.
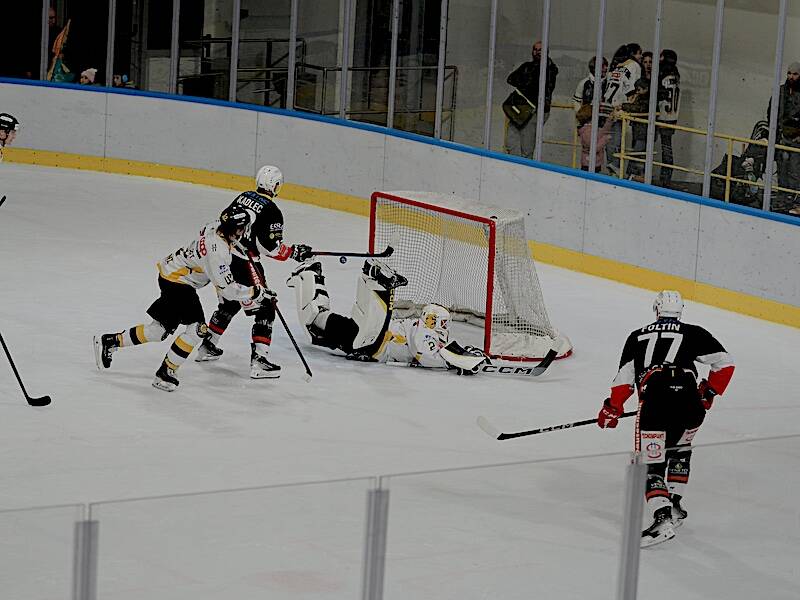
{"x":164,"y":385}
{"x":264,"y":374}
{"x":206,"y":358}
{"x":98,"y":353}
{"x":664,"y":536}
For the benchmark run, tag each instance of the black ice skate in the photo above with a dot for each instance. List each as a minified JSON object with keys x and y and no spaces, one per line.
{"x":383,"y":274}
{"x":661,"y":530}
{"x":678,"y":512}
{"x":208,"y":351}
{"x":104,"y":346}
{"x":261,"y":368}
{"x":165,"y":378}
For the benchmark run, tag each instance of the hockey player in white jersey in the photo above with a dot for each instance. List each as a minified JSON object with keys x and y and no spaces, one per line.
{"x":371,"y":334}
{"x":206,"y":259}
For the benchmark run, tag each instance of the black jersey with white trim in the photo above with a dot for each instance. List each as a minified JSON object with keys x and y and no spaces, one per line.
{"x":267,"y":223}
{"x":669,"y":341}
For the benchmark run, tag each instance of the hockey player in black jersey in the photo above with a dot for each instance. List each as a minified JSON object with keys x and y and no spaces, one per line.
{"x":263,"y":240}
{"x":659,"y":361}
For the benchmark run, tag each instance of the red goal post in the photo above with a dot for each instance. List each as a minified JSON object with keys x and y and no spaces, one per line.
{"x":473,"y":259}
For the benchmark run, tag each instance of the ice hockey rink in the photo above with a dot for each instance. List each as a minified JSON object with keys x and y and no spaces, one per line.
{"x":78,"y":252}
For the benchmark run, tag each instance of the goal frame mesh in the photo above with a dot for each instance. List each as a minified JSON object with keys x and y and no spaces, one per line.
{"x":490,"y":225}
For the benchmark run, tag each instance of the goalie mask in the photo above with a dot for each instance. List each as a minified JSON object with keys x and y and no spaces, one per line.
{"x":269,"y":180}
{"x":668,"y":305}
{"x":436,"y":317}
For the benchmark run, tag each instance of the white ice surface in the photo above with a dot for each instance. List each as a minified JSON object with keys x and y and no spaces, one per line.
{"x":77,"y":257}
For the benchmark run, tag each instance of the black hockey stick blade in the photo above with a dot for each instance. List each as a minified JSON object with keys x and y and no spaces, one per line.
{"x":40,"y":401}
{"x":3,"y":199}
{"x":385,"y":254}
{"x":492,"y":431}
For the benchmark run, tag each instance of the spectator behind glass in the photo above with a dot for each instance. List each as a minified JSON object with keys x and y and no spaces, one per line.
{"x":638,"y":107}
{"x":668,"y":104}
{"x":584,"y":92}
{"x":789,"y":134}
{"x":521,"y":141}
{"x":88,"y":76}
{"x":620,"y":85}
{"x":584,"y":120}
{"x":647,"y":65}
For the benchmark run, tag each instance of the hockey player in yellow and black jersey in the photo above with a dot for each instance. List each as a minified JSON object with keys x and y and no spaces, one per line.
{"x":206,"y":259}
{"x":263,"y":240}
{"x":659,"y":361}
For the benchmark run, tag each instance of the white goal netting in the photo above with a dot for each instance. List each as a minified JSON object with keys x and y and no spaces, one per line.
{"x":472,"y":258}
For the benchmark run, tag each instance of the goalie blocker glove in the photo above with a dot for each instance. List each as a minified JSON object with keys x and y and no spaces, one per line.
{"x":466,"y":361}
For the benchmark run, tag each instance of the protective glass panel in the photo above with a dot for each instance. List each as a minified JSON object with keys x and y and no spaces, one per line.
{"x":741,"y":533}
{"x":369,"y":74}
{"x":36,"y":552}
{"x":745,"y":86}
{"x":317,"y":76}
{"x":464,"y":101}
{"x":519,"y":27}
{"x":264,"y":52}
{"x":79,"y":43}
{"x":303,"y":541}
{"x":687,"y":40}
{"x":573,"y":44}
{"x":132,"y":56}
{"x":543,"y":530}
{"x":417,"y":61}
{"x":629,"y":32}
{"x":205,"y":49}
{"x":21,"y":43}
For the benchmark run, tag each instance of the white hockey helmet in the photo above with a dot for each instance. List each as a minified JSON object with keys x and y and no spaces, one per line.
{"x":269,"y":180}
{"x":436,"y":317}
{"x":668,"y":304}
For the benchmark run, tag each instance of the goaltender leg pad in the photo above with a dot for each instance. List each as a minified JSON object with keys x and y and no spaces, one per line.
{"x":311,"y":295}
{"x":372,"y":310}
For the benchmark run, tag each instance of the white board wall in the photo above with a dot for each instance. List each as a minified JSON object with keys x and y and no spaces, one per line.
{"x":711,"y":245}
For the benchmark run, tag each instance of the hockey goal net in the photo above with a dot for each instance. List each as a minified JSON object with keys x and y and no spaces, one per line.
{"x":473,"y":259}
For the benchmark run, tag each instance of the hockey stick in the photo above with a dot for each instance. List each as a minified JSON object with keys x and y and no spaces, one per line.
{"x":257,"y":280}
{"x":43,"y":400}
{"x":3,"y":199}
{"x":492,"y":431}
{"x":385,"y":254}
{"x":539,"y":369}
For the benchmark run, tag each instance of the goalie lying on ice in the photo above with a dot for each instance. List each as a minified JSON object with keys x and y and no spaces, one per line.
{"x":371,"y":335}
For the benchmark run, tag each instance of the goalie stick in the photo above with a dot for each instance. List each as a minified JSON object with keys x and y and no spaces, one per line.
{"x":385,"y":254}
{"x":3,"y":199}
{"x":492,"y":431}
{"x":41,"y":401}
{"x":539,"y":369}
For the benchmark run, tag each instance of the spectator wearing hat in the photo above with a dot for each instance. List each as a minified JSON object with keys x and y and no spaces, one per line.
{"x":789,"y":130}
{"x":88,"y":76}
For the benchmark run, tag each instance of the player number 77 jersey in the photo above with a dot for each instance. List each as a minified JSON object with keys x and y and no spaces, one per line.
{"x":204,"y":260}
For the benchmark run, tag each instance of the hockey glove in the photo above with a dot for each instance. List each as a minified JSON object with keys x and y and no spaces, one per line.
{"x":301,"y":252}
{"x":263,"y":295}
{"x":609,"y":415}
{"x":706,"y":393}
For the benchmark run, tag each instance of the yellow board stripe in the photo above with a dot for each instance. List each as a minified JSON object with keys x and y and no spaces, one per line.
{"x":740,"y":302}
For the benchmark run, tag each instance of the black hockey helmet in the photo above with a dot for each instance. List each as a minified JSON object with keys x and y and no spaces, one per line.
{"x":8,"y":122}
{"x":232,"y":220}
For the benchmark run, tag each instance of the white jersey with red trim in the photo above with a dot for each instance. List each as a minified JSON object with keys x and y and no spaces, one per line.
{"x":204,"y":260}
{"x":409,"y":341}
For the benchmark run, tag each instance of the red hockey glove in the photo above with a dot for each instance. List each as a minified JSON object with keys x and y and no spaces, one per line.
{"x":706,"y":393}
{"x":609,"y":415}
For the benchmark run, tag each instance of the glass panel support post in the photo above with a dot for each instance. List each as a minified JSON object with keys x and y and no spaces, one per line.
{"x":543,"y":64}
{"x":174,"y":48}
{"x":377,"y":523}
{"x":343,"y":97}
{"x":233,"y":78}
{"x":635,"y":479}
{"x":437,"y":122}
{"x":112,"y":30}
{"x":597,"y":92}
{"x":290,"y":81}
{"x":712,"y":96}
{"x":84,"y":560}
{"x":775,"y":105}
{"x":487,"y":124}
{"x":652,"y":105}
{"x":393,"y":64}
{"x":45,"y":40}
